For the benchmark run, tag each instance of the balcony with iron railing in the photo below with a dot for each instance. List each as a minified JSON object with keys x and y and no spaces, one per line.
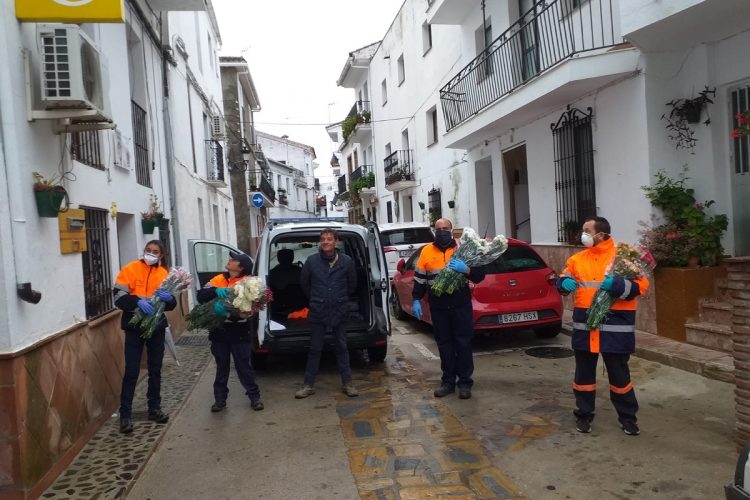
{"x":215,"y":163}
{"x":399,"y":170}
{"x":343,"y":192}
{"x":550,"y":33}
{"x":356,"y":126}
{"x":267,"y":189}
{"x":300,"y":180}
{"x":448,"y":11}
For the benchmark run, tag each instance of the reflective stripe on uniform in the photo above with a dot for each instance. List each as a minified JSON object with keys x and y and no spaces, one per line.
{"x":584,"y":387}
{"x":621,"y":390}
{"x":607,"y":328}
{"x":589,"y":284}
{"x":628,"y":289}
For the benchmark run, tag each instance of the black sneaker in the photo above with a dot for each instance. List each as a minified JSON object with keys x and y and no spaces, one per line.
{"x":464,"y":393}
{"x":256,"y":405}
{"x":126,"y":425}
{"x":630,"y":428}
{"x":158,"y":416}
{"x":218,"y":406}
{"x":583,"y":425}
{"x":444,"y":390}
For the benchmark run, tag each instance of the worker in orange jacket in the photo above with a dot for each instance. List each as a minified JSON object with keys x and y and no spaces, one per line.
{"x":615,"y":338}
{"x":134,"y":287}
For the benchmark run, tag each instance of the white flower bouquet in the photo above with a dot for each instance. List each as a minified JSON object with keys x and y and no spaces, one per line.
{"x":244,"y":300}
{"x":176,"y":281}
{"x":474,"y":251}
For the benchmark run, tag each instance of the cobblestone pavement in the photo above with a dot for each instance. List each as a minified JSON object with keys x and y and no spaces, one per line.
{"x":110,"y":461}
{"x":405,"y":444}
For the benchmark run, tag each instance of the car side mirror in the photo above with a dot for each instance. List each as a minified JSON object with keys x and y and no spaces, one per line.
{"x":400,"y":266}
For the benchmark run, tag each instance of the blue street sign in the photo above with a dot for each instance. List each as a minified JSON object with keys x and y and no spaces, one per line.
{"x":258,"y":200}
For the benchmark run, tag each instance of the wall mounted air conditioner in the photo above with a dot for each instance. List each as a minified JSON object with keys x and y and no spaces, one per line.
{"x":72,"y":79}
{"x":217,"y":127}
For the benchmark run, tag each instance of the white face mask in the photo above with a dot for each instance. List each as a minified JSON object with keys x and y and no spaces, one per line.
{"x":150,"y":258}
{"x":587,"y":240}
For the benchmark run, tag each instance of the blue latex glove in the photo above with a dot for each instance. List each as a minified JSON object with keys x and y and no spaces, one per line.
{"x":416,"y":307}
{"x":607,"y":283}
{"x":145,"y":306}
{"x":222,"y":293}
{"x":568,"y":284}
{"x":220,"y":309}
{"x":458,"y":265}
{"x":164,"y":295}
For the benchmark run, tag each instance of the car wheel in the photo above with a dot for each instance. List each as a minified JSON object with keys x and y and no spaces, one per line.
{"x":396,"y":310}
{"x":377,"y":353}
{"x":548,"y":332}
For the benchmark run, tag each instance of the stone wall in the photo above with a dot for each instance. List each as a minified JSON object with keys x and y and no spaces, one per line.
{"x":54,"y":395}
{"x":738,"y":283}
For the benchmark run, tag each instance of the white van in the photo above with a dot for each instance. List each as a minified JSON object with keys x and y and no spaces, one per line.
{"x":401,"y":239}
{"x":282,"y":328}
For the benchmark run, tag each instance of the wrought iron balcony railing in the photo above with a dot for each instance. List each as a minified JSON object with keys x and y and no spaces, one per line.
{"x":342,"y":184}
{"x":214,"y":161}
{"x":545,"y":35}
{"x":398,"y":167}
{"x":267,"y":189}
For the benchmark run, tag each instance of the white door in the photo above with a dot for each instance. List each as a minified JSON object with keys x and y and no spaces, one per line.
{"x":207,"y":259}
{"x":379,"y":282}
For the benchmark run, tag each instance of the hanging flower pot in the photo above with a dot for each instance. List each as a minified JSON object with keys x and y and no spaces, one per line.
{"x":48,"y":202}
{"x":148,"y":225}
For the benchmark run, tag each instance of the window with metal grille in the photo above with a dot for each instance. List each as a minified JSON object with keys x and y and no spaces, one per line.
{"x":140,"y":144}
{"x":97,"y":273}
{"x":434,"y":205}
{"x":740,"y":145}
{"x":574,"y":170}
{"x":85,"y":148}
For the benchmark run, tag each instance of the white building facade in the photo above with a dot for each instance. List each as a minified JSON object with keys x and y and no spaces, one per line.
{"x":121,"y":116}
{"x":291,"y":174}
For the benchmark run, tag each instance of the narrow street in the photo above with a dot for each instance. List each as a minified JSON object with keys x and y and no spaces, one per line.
{"x":514,"y":439}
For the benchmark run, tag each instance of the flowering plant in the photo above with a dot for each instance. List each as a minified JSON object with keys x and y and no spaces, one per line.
{"x":630,"y":262}
{"x":743,"y":125}
{"x":176,"y":281}
{"x":154,"y":211}
{"x":244,"y":300}
{"x":688,"y":231}
{"x":474,"y":251}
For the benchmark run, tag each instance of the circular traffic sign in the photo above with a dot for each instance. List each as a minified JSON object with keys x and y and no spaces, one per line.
{"x":257,"y":200}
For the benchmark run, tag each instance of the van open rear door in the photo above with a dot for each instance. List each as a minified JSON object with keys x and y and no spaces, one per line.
{"x":379,"y":283}
{"x":207,"y":259}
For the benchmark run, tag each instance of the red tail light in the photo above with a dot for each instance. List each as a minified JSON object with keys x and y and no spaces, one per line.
{"x":552,"y":278}
{"x":389,"y":249}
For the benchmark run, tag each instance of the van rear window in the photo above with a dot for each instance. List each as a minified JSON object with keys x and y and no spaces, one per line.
{"x":408,"y":236}
{"x":515,"y":259}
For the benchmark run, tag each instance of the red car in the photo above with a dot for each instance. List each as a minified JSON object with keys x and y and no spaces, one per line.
{"x":518,"y":292}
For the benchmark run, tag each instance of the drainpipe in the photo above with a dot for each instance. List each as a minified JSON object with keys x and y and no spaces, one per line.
{"x":8,"y":157}
{"x":169,"y":144}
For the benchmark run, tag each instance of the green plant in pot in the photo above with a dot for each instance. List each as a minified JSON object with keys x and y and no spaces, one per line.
{"x":689,"y":236}
{"x":151,"y":218}
{"x":49,"y":194}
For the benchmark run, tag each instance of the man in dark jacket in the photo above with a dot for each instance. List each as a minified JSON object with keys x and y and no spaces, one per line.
{"x":233,"y":338}
{"x":328,"y":278}
{"x":452,"y":314}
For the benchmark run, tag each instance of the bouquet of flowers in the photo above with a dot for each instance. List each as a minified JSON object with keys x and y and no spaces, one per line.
{"x":630,"y":262}
{"x":474,"y":251}
{"x":176,"y":281}
{"x":244,"y":300}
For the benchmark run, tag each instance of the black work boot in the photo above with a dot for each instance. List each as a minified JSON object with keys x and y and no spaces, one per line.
{"x":126,"y":425}
{"x":218,"y":406}
{"x":158,"y":416}
{"x":444,"y":390}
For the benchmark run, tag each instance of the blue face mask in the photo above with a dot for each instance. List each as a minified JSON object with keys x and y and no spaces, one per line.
{"x":443,"y":238}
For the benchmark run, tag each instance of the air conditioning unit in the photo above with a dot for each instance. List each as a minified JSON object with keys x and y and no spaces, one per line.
{"x":72,"y":72}
{"x":217,"y":127}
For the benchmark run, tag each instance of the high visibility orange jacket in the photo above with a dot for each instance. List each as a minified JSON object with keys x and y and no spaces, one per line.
{"x":235,"y":329}
{"x":617,"y":333}
{"x":135,"y":281}
{"x":431,"y":261}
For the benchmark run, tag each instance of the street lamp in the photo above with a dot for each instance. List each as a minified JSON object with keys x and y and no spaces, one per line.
{"x":334,"y":161}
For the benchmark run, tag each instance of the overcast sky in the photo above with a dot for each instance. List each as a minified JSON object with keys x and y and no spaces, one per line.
{"x":296,"y":50}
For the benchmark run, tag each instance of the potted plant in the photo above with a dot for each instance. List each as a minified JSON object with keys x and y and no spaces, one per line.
{"x":151,"y":218}
{"x":421,"y":205}
{"x":49,"y":194}
{"x":683,"y":113}
{"x":686,"y":245}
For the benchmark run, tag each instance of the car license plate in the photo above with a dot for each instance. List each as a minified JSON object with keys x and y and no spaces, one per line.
{"x":518,"y":317}
{"x":404,"y":253}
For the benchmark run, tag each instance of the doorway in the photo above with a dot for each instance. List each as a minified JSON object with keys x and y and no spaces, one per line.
{"x":740,"y":165}
{"x":514,"y":162}
{"x":485,"y":198}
